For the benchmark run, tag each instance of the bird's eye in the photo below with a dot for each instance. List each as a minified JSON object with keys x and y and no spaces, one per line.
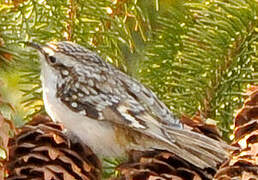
{"x":52,"y":59}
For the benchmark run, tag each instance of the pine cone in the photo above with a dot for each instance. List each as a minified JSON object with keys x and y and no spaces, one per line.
{"x":197,"y":124}
{"x":5,"y":127}
{"x":160,"y":165}
{"x":163,"y":165}
{"x":41,"y":150}
{"x":244,"y":164}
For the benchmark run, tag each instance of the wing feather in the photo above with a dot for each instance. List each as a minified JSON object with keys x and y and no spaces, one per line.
{"x":115,"y":97}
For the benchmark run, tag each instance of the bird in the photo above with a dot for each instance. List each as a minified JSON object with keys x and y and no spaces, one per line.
{"x":112,"y":112}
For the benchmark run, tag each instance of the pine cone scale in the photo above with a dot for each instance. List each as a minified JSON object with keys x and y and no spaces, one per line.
{"x":43,"y":151}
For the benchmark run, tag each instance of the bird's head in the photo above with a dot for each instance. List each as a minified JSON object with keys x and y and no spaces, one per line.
{"x":55,"y":55}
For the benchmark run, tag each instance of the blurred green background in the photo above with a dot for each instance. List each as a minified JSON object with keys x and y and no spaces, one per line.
{"x":198,"y":56}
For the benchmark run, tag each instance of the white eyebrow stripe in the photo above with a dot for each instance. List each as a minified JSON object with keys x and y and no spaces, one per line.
{"x":48,"y":50}
{"x":52,"y":46}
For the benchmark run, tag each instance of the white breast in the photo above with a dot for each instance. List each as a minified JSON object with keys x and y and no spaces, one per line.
{"x":98,"y":135}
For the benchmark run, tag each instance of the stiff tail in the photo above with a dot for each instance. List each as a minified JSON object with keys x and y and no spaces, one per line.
{"x":198,"y":149}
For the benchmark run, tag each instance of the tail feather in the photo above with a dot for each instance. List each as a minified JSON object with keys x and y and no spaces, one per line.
{"x":198,"y":149}
{"x":191,"y":156}
{"x":200,"y":140}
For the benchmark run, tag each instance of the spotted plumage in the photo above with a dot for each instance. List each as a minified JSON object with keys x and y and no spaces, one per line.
{"x":96,"y":100}
{"x":102,"y":86}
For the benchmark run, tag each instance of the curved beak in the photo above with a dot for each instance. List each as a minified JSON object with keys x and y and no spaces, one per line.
{"x":45,"y":50}
{"x":36,"y":46}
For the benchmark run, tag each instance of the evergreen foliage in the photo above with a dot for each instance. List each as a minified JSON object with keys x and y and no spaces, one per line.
{"x":204,"y":60}
{"x":198,"y":55}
